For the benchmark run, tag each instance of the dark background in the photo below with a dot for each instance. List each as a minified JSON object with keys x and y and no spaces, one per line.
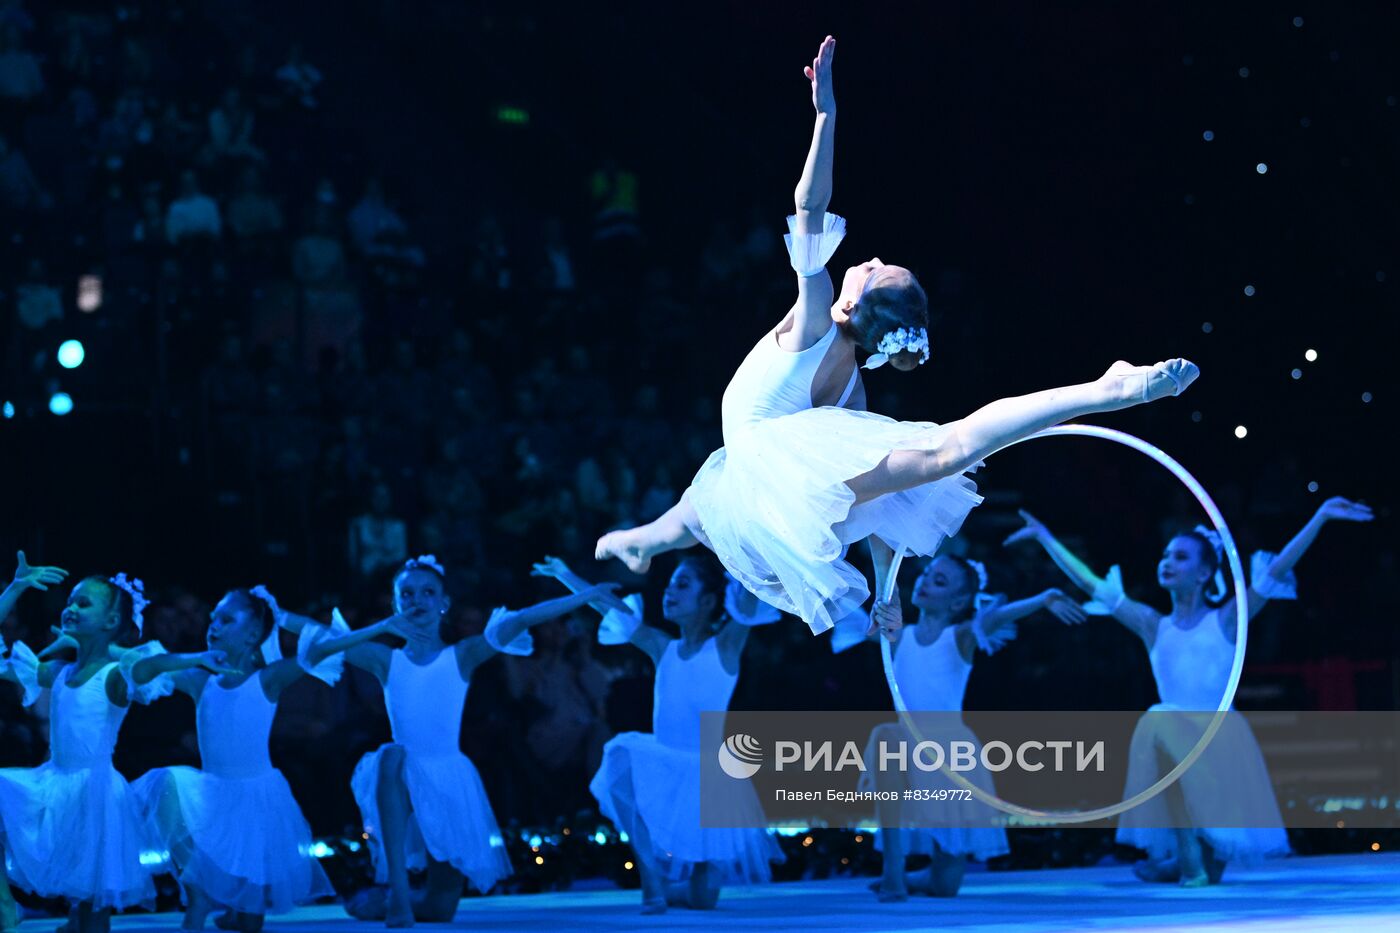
{"x":1043,"y":171}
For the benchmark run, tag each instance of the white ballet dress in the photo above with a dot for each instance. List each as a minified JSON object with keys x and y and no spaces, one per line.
{"x":451,"y":819}
{"x":933,"y":678}
{"x":649,"y":783}
{"x":72,"y":827}
{"x":232,"y":826}
{"x":773,"y":503}
{"x":1192,"y":667}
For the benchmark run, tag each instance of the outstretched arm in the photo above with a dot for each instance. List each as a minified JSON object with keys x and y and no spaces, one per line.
{"x":812,"y":318}
{"x":998,"y":624}
{"x":27,"y":578}
{"x":1334,"y":509}
{"x":1139,"y":618}
{"x":651,"y":640}
{"x":472,"y":651}
{"x":555,"y":568}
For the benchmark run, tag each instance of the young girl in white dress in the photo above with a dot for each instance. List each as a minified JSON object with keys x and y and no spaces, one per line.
{"x":649,"y":783}
{"x":932,"y":662}
{"x":235,"y":834}
{"x":71,"y":827}
{"x":805,"y":470}
{"x":1192,"y":649}
{"x":421,"y":799}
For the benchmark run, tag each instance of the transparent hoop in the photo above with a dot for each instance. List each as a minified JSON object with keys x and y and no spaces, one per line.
{"x":1232,"y":557}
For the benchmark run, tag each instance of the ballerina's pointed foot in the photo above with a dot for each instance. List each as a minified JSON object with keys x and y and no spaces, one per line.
{"x":1134,"y":385}
{"x":624,"y":546}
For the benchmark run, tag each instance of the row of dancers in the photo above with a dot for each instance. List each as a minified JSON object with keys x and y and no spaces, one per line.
{"x":234,"y":837}
{"x":804,"y":474}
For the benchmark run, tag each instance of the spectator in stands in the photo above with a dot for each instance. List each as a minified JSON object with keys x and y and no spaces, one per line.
{"x":193,"y":214}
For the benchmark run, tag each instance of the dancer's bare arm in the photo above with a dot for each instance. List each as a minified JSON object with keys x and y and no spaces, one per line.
{"x":1139,"y":618}
{"x":812,"y":313}
{"x":472,"y":651}
{"x":1334,"y":509}
{"x":653,"y":641}
{"x":1000,"y":620}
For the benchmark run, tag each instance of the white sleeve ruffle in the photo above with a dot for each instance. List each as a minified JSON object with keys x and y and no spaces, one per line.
{"x":734,"y":598}
{"x":330,"y":669}
{"x":617,"y":626}
{"x":809,"y":252}
{"x":1108,"y":595}
{"x":522,"y":645}
{"x":162,"y":686}
{"x":988,"y":641}
{"x":1266,"y":585}
{"x":24,"y":664}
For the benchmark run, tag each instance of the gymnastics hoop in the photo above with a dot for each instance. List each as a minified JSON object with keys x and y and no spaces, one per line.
{"x":1228,"y":698}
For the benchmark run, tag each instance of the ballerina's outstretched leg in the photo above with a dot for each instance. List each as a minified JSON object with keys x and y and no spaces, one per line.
{"x":1007,"y":420}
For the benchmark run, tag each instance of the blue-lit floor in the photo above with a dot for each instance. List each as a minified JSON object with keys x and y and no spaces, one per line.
{"x":1331,"y":893}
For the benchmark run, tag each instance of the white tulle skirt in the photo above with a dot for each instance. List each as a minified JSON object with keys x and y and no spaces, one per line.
{"x":76,"y":834}
{"x":652,"y":791}
{"x":451,"y":819}
{"x":775,"y":507}
{"x":1228,"y":784}
{"x":242,"y":841}
{"x":958,"y":827}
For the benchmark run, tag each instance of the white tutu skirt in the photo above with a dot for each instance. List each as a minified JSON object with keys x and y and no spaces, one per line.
{"x":1229,"y":799}
{"x":451,"y":818}
{"x":775,"y":507}
{"x":242,"y":841}
{"x":958,"y":827}
{"x":75,"y":834}
{"x":652,"y":791}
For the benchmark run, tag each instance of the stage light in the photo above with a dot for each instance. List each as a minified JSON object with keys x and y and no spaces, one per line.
{"x":1207,"y":327}
{"x":1297,"y":374}
{"x":859,"y":838}
{"x":1366,"y":397}
{"x":1207,"y":135}
{"x":60,"y":403}
{"x":1262,"y":168}
{"x":1241,"y":431}
{"x":1380,"y":276}
{"x":539,"y":860}
{"x":1249,"y":291}
{"x":535,"y":842}
{"x":1312,"y":487}
{"x":1310,"y":356}
{"x":1196,"y":417}
{"x":808,"y":841}
{"x":9,"y":409}
{"x":1298,"y":21}
{"x":627,"y":865}
{"x":89,"y":293}
{"x":1305,"y":122}
{"x":1244,"y":72}
{"x":71,"y":354}
{"x":320,"y":850}
{"x":599,"y":838}
{"x":1375,"y":847}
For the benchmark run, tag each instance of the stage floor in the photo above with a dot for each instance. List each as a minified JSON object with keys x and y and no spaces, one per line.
{"x":1329,"y":893}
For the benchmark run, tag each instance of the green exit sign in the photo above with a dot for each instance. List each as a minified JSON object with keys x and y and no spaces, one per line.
{"x":517,"y":115}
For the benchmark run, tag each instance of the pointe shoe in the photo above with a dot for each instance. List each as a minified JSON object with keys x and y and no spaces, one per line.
{"x":1164,"y":871}
{"x":1168,"y":378}
{"x":653,"y":906}
{"x":615,"y":544}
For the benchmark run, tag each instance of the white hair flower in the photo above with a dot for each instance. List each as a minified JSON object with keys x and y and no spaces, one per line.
{"x":137,"y":591}
{"x":911,"y":339}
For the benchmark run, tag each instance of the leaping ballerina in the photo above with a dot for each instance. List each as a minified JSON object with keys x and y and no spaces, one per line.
{"x":806,"y":471}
